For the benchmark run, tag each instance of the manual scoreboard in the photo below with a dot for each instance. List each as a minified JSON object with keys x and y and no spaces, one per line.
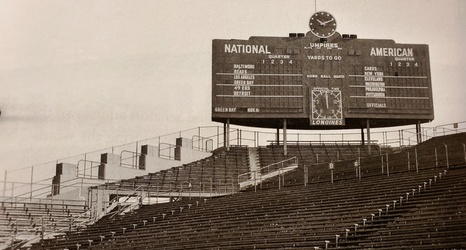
{"x":316,"y":83}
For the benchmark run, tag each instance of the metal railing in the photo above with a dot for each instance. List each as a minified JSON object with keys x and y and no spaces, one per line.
{"x":167,"y":151}
{"x":260,"y":175}
{"x":448,"y":129}
{"x":45,"y":192}
{"x":42,"y":228}
{"x":158,"y":193}
{"x":131,"y":161}
{"x":202,"y":143}
{"x":87,"y":169}
{"x":14,"y":180}
{"x":407,"y":159}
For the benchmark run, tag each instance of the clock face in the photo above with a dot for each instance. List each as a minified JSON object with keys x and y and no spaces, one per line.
{"x":323,"y":24}
{"x":326,"y":105}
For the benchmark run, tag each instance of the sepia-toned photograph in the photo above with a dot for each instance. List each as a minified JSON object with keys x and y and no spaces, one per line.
{"x":266,"y":124}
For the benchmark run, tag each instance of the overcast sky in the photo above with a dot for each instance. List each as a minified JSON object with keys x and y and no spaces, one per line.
{"x":80,"y":75}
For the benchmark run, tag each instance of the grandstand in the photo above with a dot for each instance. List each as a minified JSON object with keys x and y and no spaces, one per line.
{"x":250,"y":195}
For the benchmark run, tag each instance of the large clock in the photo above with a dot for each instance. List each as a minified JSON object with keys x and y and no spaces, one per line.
{"x":323,"y":24}
{"x":326,"y":105}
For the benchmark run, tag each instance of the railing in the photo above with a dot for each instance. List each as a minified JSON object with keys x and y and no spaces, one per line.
{"x":202,"y":144}
{"x":448,"y":129}
{"x":258,"y":176}
{"x":87,"y":169}
{"x":407,"y":159}
{"x":40,"y":224}
{"x":26,"y":190}
{"x":167,"y":151}
{"x":208,"y":188}
{"x":47,"y":228}
{"x":322,"y":143}
{"x":278,"y":166}
{"x":203,"y":137}
{"x":45,"y":192}
{"x":139,"y":197}
{"x":149,"y":193}
{"x":131,"y":161}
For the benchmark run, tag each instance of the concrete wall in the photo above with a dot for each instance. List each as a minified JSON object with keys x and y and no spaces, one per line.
{"x":188,"y":155}
{"x":66,"y":185}
{"x":184,"y":154}
{"x":64,"y":173}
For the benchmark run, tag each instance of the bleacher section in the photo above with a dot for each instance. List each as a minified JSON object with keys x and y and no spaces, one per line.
{"x":309,"y":156}
{"x":276,"y":219}
{"x":211,"y":176}
{"x":432,"y":219}
{"x":407,"y":197}
{"x":411,"y":198}
{"x":447,"y":150}
{"x":37,"y":217}
{"x":217,"y":173}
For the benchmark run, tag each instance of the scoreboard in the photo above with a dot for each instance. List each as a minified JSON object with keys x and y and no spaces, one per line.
{"x":336,"y":83}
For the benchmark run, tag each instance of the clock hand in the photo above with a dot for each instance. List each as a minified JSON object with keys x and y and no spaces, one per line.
{"x":323,"y":23}
{"x":326,"y":100}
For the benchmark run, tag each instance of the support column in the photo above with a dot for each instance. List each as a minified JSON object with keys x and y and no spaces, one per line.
{"x":368,"y":137}
{"x":30,"y":187}
{"x":362,"y":137}
{"x":285,"y":150}
{"x":418,"y":132}
{"x":226,"y":135}
{"x":277,"y":136}
{"x":400,"y":137}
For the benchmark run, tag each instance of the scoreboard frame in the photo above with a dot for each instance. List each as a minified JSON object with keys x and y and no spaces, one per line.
{"x":339,"y":82}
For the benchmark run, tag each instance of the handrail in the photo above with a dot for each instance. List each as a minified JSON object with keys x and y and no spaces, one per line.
{"x":411,"y":159}
{"x":279,"y":162}
{"x":134,"y":158}
{"x":202,"y":140}
{"x":390,"y":137}
{"x":255,"y":172}
{"x":78,"y":171}
{"x":28,"y":185}
{"x":324,"y":143}
{"x":39,"y":222}
{"x":446,"y":130}
{"x":55,"y":202}
{"x":169,"y":148}
{"x":71,"y":219}
{"x":141,"y":189}
{"x":47,"y":188}
{"x":116,"y":201}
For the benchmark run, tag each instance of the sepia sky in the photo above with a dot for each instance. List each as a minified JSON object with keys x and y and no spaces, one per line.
{"x":81,"y":75}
